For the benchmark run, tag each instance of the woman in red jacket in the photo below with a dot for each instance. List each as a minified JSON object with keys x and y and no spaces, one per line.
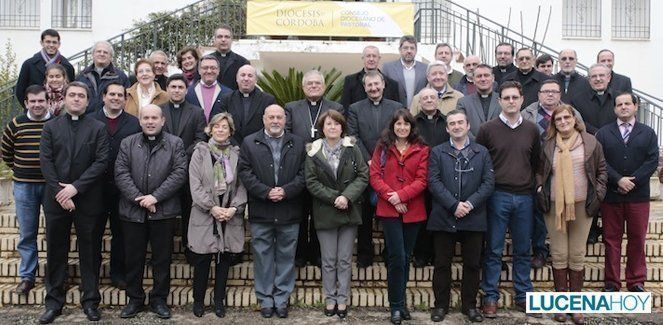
{"x":398,"y":173}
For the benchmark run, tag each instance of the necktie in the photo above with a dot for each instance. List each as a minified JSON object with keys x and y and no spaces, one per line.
{"x":626,"y":132}
{"x":439,"y":94}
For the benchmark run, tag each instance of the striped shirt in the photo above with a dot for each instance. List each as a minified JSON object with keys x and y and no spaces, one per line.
{"x":20,"y":148}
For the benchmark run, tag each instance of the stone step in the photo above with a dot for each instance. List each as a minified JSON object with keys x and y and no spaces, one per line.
{"x":244,"y":296}
{"x":310,"y":276}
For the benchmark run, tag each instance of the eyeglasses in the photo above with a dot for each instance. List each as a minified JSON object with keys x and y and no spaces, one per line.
{"x":524,"y":58}
{"x":508,"y":98}
{"x":567,"y":58}
{"x":549,"y":91}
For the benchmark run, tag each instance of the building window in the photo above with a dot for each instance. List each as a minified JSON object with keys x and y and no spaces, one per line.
{"x":19,"y":13}
{"x":630,"y":19}
{"x":72,"y":14}
{"x":581,"y":18}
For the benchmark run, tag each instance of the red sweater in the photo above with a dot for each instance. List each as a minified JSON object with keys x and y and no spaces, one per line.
{"x":406,"y":175}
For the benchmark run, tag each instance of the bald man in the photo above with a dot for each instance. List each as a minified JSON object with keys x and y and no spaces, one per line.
{"x":271,"y":168}
{"x":246,"y":104}
{"x":150,"y":169}
{"x":466,"y":84}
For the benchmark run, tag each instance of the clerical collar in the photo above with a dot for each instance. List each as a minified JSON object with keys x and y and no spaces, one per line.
{"x":176,"y":105}
{"x":376,"y":103}
{"x":245,"y":95}
{"x":153,"y":138}
{"x":600,"y":93}
{"x":525,"y":73}
{"x":74,"y":117}
{"x":484,"y":95}
{"x":109,"y":114}
{"x":313,"y":103}
{"x":43,"y":118}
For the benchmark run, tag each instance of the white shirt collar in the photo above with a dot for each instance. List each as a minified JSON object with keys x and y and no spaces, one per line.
{"x":512,"y":126}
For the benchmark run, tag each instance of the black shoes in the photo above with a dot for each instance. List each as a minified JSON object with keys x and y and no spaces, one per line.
{"x":538,"y":261}
{"x":406,"y":314}
{"x":474,"y":315}
{"x":92,"y":314}
{"x":396,"y":317}
{"x":342,"y":314}
{"x":330,"y":312}
{"x":266,"y":312}
{"x":437,"y":315}
{"x":131,"y":310}
{"x":219,"y":309}
{"x":282,"y":312}
{"x":637,"y":288}
{"x":198,"y":309}
{"x":49,"y":316}
{"x":24,"y":287}
{"x":300,"y":262}
{"x":161,"y":310}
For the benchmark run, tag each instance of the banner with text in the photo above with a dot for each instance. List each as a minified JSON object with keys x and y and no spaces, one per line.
{"x":327,"y":18}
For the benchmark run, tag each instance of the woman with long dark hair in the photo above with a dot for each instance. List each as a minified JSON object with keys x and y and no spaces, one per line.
{"x":398,"y":174}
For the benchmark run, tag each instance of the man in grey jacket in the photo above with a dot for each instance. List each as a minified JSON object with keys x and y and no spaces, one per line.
{"x":150,"y":169}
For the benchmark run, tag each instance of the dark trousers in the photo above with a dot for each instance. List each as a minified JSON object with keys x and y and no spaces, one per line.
{"x":423,"y":249}
{"x":111,"y":214}
{"x":159,"y":233}
{"x":185,"y":201}
{"x":636,"y":217}
{"x":445,"y":243}
{"x":399,"y":238}
{"x":539,"y":234}
{"x":58,"y":230}
{"x":201,"y":267}
{"x":365,"y":231}
{"x":308,"y":246}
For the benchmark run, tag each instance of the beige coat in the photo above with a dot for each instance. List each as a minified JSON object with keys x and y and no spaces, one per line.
{"x":202,"y":239}
{"x":133,"y":102}
{"x":445,"y":104}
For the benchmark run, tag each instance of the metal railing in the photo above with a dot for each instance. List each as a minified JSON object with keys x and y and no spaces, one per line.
{"x":438,"y":21}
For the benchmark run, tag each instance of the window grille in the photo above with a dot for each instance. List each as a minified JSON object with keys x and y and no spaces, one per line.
{"x":19,"y":13}
{"x":72,"y":14}
{"x":581,"y":18}
{"x":631,"y":19}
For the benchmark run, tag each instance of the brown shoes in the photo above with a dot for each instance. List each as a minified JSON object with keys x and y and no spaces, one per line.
{"x":24,"y":287}
{"x":489,"y":309}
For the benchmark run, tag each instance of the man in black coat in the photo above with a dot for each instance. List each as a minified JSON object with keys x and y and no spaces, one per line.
{"x":366,"y":120}
{"x":596,"y":103}
{"x":618,"y":83}
{"x":246,"y":104}
{"x":504,"y":56}
{"x":569,"y":79}
{"x":187,"y":122}
{"x":527,"y":76}
{"x":271,"y":167}
{"x":119,"y":125}
{"x":73,"y":154}
{"x":300,"y":118}
{"x":353,"y":87}
{"x":150,"y":169}
{"x":229,"y":61}
{"x":33,"y":70}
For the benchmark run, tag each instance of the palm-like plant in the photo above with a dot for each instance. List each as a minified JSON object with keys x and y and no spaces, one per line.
{"x":288,"y":88}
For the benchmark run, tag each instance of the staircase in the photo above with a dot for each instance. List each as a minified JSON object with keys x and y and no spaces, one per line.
{"x":369,"y":285}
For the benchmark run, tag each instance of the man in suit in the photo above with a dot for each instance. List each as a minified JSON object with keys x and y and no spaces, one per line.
{"x":483,"y":105}
{"x":119,"y":125}
{"x":366,"y":120}
{"x":73,"y":154}
{"x":229,"y":61}
{"x":631,"y":153}
{"x":527,"y":76}
{"x":570,"y":80}
{"x":618,"y":83}
{"x":33,"y":69}
{"x":300,"y":119}
{"x":207,"y":92}
{"x":444,"y":53}
{"x":246,"y":104}
{"x":353,"y":88}
{"x":409,"y":73}
{"x":504,"y":56}
{"x":186,"y":121}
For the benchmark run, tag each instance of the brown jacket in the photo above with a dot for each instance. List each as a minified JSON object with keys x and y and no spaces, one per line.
{"x":133,"y":101}
{"x":202,"y":239}
{"x":595,"y":167}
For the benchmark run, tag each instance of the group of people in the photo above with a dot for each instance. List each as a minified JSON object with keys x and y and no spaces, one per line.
{"x":435,"y":155}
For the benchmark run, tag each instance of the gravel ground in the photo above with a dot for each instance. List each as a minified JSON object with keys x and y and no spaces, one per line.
{"x":182,"y":315}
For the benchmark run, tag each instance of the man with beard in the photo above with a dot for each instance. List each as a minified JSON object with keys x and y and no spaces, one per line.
{"x":570,"y":80}
{"x":410,"y":74}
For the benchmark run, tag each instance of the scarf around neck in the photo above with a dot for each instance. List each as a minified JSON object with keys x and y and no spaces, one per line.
{"x":563,"y":180}
{"x":48,"y":59}
{"x":223,"y":173}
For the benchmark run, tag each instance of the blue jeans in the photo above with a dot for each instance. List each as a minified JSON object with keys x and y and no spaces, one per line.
{"x":399,"y":238}
{"x":274,"y":248}
{"x":539,"y":234}
{"x":27,"y":198}
{"x":514,"y":211}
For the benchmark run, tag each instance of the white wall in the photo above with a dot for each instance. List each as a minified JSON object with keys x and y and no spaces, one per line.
{"x":632,"y":58}
{"x":109,"y":18}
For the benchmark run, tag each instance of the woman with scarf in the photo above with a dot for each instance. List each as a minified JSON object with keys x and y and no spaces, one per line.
{"x":216,"y":226}
{"x":571,"y":183}
{"x":54,"y":82}
{"x":399,"y":174}
{"x":187,"y":61}
{"x":145,"y":90}
{"x":336,"y":177}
